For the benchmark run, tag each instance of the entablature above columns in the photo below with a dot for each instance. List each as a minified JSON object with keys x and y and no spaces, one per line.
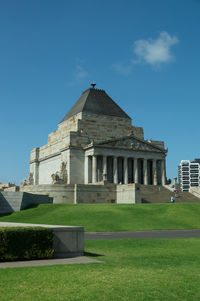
{"x":96,"y":151}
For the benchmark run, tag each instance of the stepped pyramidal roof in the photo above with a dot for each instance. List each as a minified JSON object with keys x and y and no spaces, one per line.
{"x":95,"y":101}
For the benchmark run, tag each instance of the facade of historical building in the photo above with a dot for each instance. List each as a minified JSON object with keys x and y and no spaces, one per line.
{"x":96,"y":141}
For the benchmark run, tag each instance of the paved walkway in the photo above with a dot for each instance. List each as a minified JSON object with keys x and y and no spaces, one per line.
{"x":45,"y":262}
{"x":143,"y":234}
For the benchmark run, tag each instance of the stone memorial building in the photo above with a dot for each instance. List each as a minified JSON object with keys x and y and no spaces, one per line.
{"x":96,"y":141}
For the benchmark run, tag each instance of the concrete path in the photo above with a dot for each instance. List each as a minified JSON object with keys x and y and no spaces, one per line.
{"x":143,"y":234}
{"x":48,"y":262}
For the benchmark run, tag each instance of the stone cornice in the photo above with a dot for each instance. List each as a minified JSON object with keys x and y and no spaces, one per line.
{"x":54,"y":155}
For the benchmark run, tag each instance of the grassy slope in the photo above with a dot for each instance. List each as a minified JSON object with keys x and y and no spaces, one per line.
{"x":134,"y":269}
{"x":111,"y":217}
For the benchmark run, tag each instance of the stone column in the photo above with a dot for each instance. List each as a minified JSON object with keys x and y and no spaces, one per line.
{"x":125,"y":170}
{"x":154,"y":173}
{"x":94,"y":169}
{"x":163,"y":172}
{"x":86,"y":170}
{"x":145,"y":172}
{"x":104,"y":168}
{"x":34,"y":167}
{"x":135,"y":170}
{"x":115,"y":170}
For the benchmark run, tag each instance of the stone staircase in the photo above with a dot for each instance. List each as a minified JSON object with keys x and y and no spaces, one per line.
{"x":160,"y":194}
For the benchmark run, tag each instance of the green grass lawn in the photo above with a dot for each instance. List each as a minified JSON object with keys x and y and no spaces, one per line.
{"x":132,"y":269}
{"x":113,"y":217}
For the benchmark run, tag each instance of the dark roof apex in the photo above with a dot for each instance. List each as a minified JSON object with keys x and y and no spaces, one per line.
{"x":93,"y":89}
{"x":96,"y":101}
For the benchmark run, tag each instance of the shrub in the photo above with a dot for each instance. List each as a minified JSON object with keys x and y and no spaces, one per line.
{"x":25,"y":243}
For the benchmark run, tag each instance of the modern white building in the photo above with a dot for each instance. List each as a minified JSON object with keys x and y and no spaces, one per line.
{"x":189,"y":174}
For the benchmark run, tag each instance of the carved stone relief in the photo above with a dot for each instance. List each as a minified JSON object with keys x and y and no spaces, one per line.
{"x":30,"y":180}
{"x":132,"y":144}
{"x":60,"y":177}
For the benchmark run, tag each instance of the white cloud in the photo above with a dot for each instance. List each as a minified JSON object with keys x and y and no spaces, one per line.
{"x":80,"y":73}
{"x":151,"y":51}
{"x":155,"y":52}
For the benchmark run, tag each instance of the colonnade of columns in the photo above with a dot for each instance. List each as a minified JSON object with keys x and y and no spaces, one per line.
{"x":124,"y":170}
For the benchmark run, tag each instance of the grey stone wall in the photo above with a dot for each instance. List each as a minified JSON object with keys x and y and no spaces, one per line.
{"x":82,"y":193}
{"x":127,"y":194}
{"x":95,"y":193}
{"x":16,"y":201}
{"x":76,"y":166}
{"x":62,"y":194}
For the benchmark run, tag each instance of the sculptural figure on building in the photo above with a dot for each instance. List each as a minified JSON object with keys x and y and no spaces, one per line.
{"x":29,"y":181}
{"x":60,"y":177}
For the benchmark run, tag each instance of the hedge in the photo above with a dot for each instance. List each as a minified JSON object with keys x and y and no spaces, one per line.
{"x":23,"y":243}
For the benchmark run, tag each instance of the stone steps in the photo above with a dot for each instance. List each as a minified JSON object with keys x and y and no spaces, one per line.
{"x":160,"y":194}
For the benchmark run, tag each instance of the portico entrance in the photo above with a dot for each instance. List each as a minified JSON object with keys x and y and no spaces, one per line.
{"x":124,"y":170}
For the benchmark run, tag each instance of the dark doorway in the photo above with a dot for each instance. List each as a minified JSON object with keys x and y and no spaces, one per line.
{"x":89,"y":169}
{"x":158,"y":168}
{"x":150,"y":171}
{"x":99,"y":168}
{"x":130,"y":171}
{"x":140,"y":171}
{"x":110,"y":169}
{"x":120,"y":168}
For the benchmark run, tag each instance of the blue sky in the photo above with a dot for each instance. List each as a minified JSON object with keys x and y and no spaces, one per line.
{"x":144,"y":53}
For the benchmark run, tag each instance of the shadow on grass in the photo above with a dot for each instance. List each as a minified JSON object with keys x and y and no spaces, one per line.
{"x":145,"y":201}
{"x":31,"y":206}
{"x":5,"y":214}
{"x":92,"y":254}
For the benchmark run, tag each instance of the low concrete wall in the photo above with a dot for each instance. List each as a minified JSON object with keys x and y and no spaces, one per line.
{"x":90,"y":193}
{"x":195,"y":191}
{"x":16,"y":201}
{"x":68,"y":240}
